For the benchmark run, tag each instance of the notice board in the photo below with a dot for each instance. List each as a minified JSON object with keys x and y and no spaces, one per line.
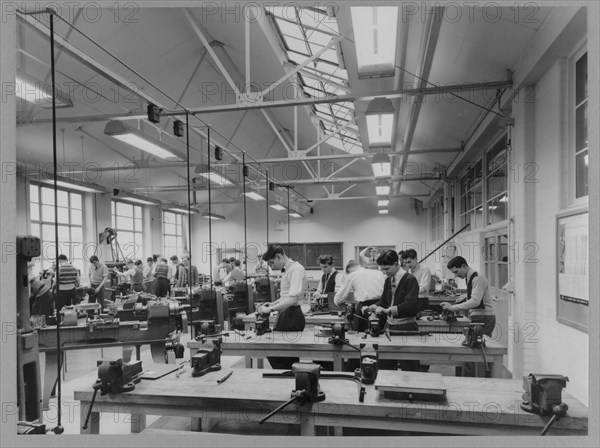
{"x":572,"y":267}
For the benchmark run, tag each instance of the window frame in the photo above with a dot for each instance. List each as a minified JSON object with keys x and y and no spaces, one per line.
{"x":179,"y":247}
{"x":572,"y":152}
{"x":46,"y":258}
{"x":138,"y":249}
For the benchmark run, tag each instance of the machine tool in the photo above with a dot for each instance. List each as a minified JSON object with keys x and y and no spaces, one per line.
{"x":307,"y":387}
{"x":543,"y":396}
{"x":114,"y":377}
{"x":29,"y":391}
{"x":207,"y":359}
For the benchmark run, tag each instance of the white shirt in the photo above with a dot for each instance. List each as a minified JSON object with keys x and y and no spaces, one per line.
{"x":366,"y":284}
{"x":293,"y":281}
{"x":423,"y":276}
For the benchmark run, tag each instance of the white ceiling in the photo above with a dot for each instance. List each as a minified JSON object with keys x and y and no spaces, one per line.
{"x":163,"y":59}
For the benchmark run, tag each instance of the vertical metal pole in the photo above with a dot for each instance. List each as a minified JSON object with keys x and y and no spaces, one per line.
{"x":187,"y":144}
{"x":209,"y":214}
{"x":244,"y":171}
{"x":267,"y":197}
{"x":58,"y":428}
{"x":288,"y":218}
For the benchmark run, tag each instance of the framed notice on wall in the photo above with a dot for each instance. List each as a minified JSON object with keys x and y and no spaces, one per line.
{"x":572,"y":266}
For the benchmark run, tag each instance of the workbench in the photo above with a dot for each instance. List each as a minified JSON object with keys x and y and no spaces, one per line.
{"x":438,"y":348}
{"x":429,"y":325}
{"x":82,"y":336}
{"x":473,"y":406}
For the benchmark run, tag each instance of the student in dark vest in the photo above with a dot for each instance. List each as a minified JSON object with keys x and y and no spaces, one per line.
{"x":398,"y":305}
{"x":478,"y":301}
{"x":330,"y":280}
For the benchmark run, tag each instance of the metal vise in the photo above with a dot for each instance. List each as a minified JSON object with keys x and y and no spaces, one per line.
{"x":369,"y":363}
{"x":473,"y":336}
{"x":207,"y":359}
{"x":542,"y":392}
{"x":262,"y":324}
{"x":338,"y":334}
{"x":116,"y":376}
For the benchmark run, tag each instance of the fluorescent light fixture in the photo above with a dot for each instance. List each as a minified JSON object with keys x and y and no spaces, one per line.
{"x":381,"y":165}
{"x":375,"y":39}
{"x":74,"y":184}
{"x":277,"y":207}
{"x":382,"y":188}
{"x":182,"y":209}
{"x":211,"y":175}
{"x":380,"y":118}
{"x":130,"y":197}
{"x":503,"y":199}
{"x":294,"y":214}
{"x":493,"y":207}
{"x":254,"y":195}
{"x":136,"y":138}
{"x":214,"y":216}
{"x":36,"y":92}
{"x":383,"y":211}
{"x":383,"y":202}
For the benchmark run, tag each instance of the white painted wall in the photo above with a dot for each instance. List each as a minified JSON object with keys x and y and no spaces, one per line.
{"x":354,"y":223}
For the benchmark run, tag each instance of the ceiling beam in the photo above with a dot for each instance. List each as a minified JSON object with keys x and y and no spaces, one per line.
{"x":390,"y":94}
{"x":354,"y":156}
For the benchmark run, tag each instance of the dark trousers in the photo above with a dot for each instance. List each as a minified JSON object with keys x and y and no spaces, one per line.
{"x":163,"y":286}
{"x":137,"y":287}
{"x":291,"y":319}
{"x":65,"y":298}
{"x":406,"y":365}
{"x":97,"y":297}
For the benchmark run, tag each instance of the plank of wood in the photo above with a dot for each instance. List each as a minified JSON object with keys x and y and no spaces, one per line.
{"x":156,"y":371}
{"x":412,"y":382}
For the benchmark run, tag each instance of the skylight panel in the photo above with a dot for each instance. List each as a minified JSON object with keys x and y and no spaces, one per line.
{"x":297,"y":45}
{"x":290,"y":29}
{"x":318,"y":38}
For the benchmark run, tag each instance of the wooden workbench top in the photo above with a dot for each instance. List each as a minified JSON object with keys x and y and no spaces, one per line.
{"x":469,"y":402}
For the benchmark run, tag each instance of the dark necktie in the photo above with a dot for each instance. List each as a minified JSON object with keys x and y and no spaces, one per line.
{"x":282,"y":270}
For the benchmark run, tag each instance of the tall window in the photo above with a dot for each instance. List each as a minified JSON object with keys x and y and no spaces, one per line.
{"x":437,"y":220}
{"x":471,"y":189}
{"x":496,"y":196}
{"x":70,"y":226}
{"x":581,"y":125}
{"x":496,"y":260}
{"x":172,"y":234}
{"x":127,"y":221}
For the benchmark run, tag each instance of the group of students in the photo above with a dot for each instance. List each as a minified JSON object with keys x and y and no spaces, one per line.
{"x":395,"y":297}
{"x":46,"y":288}
{"x":230,"y":270}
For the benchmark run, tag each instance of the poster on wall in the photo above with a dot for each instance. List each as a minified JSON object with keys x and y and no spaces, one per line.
{"x":573,"y":270}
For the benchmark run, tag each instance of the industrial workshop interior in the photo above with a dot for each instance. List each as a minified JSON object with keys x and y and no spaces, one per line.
{"x":295,"y":224}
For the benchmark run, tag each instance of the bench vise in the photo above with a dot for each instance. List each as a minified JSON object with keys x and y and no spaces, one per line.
{"x":207,"y":359}
{"x":114,"y":377}
{"x":543,"y":396}
{"x":262,"y":324}
{"x":307,"y":387}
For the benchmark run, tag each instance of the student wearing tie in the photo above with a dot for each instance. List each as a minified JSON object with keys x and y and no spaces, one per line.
{"x":398,"y":305}
{"x":330,"y":280}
